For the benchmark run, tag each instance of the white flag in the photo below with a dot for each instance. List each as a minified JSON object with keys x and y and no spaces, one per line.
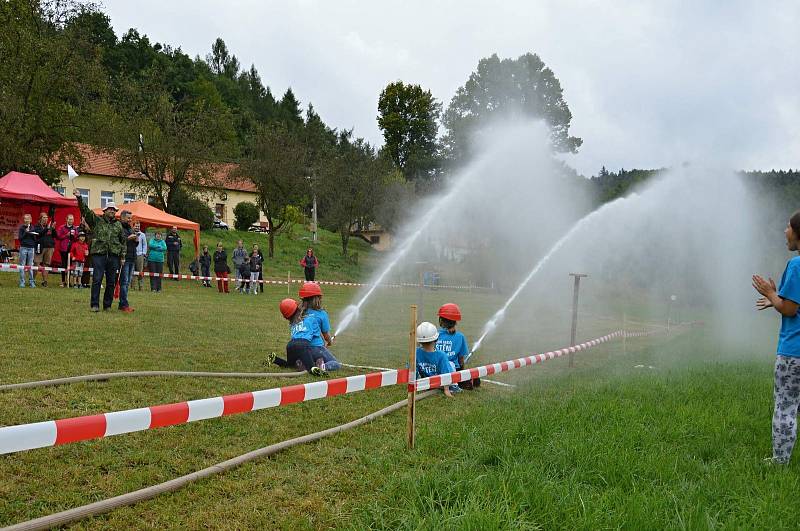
{"x":71,"y":173}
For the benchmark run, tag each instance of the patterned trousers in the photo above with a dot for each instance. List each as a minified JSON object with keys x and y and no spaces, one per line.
{"x":787,"y":399}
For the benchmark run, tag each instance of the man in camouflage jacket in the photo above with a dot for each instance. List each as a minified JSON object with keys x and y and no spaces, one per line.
{"x":108,"y":247}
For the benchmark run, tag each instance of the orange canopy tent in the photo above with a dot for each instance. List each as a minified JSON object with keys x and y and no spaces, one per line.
{"x":150,"y":216}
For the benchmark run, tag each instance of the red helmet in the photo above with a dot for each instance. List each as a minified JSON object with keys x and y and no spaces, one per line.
{"x":310,"y":289}
{"x":288,"y":307}
{"x":450,"y":311}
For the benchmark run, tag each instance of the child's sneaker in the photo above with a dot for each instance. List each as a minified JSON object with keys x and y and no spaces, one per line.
{"x":318,"y":371}
{"x":455,"y":388}
{"x":270,"y":359}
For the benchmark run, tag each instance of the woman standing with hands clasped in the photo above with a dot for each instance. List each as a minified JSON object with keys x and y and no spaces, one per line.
{"x":785,"y":299}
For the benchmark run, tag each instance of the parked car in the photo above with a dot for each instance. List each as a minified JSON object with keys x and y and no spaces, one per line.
{"x":219,"y":224}
{"x":261,"y":226}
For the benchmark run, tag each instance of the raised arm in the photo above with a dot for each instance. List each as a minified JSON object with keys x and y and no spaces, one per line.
{"x":86,"y":213}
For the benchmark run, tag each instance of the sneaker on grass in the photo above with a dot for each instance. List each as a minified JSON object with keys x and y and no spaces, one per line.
{"x":318,"y":371}
{"x":270,"y":359}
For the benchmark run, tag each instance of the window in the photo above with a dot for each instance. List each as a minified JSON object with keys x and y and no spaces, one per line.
{"x":60,"y":189}
{"x":128,"y":198}
{"x":374,"y":239}
{"x":106,"y":198}
{"x":219,"y":211}
{"x":84,"y":195}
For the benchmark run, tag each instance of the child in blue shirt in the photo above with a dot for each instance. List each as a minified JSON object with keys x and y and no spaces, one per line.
{"x":311,"y":305}
{"x":454,"y":344}
{"x":785,"y":298}
{"x":299,"y":352}
{"x":430,"y":362}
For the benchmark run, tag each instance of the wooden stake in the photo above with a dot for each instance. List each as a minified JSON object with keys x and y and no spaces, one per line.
{"x":574,"y":331}
{"x":412,"y":374}
{"x":288,"y":282}
{"x":624,"y":333}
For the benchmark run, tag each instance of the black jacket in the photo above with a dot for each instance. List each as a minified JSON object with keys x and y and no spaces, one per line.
{"x":47,"y":236}
{"x":26,"y":236}
{"x":130,"y":245}
{"x":221,"y":262}
{"x":174,"y":243}
{"x":205,"y":262}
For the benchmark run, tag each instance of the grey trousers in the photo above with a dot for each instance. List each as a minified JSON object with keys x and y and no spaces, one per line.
{"x":787,"y":399}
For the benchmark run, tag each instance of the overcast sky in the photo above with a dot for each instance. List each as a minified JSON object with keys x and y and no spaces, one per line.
{"x":649,"y":84}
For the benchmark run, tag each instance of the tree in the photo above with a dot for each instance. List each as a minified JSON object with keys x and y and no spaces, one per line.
{"x":276,"y":164}
{"x":50,"y":77}
{"x":523,"y":85}
{"x":408,"y":117}
{"x":350,"y":187}
{"x":221,"y":61}
{"x":246,"y":214}
{"x":181,"y":143}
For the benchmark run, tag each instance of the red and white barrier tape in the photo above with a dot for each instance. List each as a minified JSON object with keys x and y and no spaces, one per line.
{"x":63,"y":431}
{"x":57,"y":432}
{"x":7,"y":268}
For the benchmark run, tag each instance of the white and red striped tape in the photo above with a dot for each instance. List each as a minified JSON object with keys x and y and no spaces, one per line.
{"x":7,"y":268}
{"x":57,"y":432}
{"x":64,"y":431}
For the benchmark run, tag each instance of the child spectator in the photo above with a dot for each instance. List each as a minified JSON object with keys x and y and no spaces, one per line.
{"x":77,"y":253}
{"x":255,"y":270}
{"x":257,"y":249}
{"x":430,"y":362}
{"x":221,"y":269}
{"x":244,"y":274}
{"x":28,"y":240}
{"x":5,"y":254}
{"x":453,"y":343}
{"x":205,"y":266}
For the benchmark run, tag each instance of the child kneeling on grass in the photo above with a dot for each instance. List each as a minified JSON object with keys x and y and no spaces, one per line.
{"x":298,"y":349}
{"x":311,"y":295}
{"x":431,"y":362}
{"x":454,"y":344}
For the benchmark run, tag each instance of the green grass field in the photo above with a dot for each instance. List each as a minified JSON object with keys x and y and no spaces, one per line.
{"x":602,"y":445}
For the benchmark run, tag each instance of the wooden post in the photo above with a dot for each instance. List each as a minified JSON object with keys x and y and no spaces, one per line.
{"x":573,"y":334}
{"x":288,"y":282}
{"x":412,"y":375}
{"x":67,"y":265}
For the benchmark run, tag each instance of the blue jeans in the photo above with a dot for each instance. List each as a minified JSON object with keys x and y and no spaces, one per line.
{"x":26,"y":259}
{"x":331,"y":363}
{"x":125,"y":277}
{"x":104,"y":266}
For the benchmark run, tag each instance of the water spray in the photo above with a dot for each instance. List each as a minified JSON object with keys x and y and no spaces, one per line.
{"x":491,"y":325}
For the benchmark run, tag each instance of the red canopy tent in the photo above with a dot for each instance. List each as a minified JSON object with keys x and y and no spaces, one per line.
{"x":150,"y":216}
{"x":26,"y":193}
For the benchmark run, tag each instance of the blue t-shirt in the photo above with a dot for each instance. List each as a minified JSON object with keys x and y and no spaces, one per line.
{"x":453,"y":345}
{"x":431,"y":363}
{"x":789,"y":288}
{"x":324,"y":325}
{"x":306,"y":328}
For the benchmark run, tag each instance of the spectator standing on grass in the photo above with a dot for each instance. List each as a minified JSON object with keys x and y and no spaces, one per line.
{"x":47,"y":245}
{"x":78,"y":252}
{"x":244,"y":272}
{"x":221,"y":268}
{"x":155,"y":261}
{"x":205,"y":266}
{"x":131,"y":234}
{"x":108,"y":246}
{"x":174,"y":246}
{"x":28,"y":239}
{"x":257,"y":249}
{"x":141,"y":253}
{"x":309,"y":263}
{"x":66,"y":235}
{"x":255,"y":270}
{"x":785,"y":298}
{"x":239,"y":254}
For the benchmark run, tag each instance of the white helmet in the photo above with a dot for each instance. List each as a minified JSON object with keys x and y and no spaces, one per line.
{"x":427,"y":333}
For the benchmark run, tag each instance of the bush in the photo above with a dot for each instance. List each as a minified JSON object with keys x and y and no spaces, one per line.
{"x":246,"y":214}
{"x":187,"y":207}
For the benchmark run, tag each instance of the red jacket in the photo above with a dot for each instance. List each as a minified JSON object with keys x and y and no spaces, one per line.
{"x":79,"y":251}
